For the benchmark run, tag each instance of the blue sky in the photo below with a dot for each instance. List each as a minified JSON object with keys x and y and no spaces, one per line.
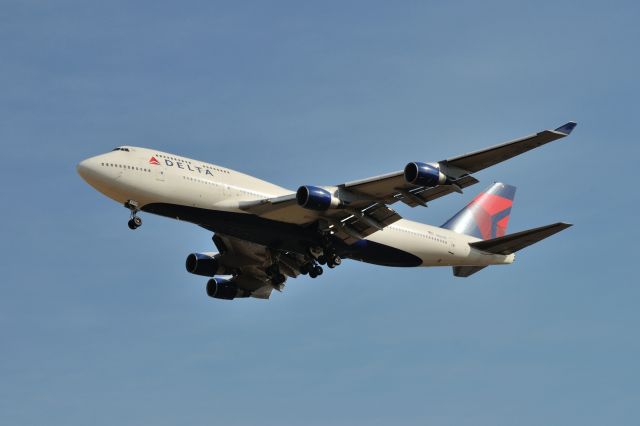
{"x":101,"y":325}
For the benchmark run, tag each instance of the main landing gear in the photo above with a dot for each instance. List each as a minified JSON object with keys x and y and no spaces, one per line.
{"x":134,"y":221}
{"x":314,"y":270}
{"x":318,"y":257}
{"x":331,"y":260}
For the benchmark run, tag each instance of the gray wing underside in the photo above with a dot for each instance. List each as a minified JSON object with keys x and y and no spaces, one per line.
{"x":250,"y":262}
{"x":360,"y":220}
{"x":364,"y":216}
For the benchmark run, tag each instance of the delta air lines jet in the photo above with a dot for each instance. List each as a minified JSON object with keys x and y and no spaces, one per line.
{"x":264,"y":233}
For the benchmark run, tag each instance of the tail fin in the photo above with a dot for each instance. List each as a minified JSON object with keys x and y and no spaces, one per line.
{"x":487,"y":215}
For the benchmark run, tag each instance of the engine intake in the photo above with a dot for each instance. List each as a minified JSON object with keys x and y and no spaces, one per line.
{"x":423,"y":174}
{"x":203,"y":264}
{"x":219,"y":288}
{"x":315,"y":198}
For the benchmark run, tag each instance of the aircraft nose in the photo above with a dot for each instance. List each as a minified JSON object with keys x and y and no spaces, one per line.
{"x":83,"y":168}
{"x":88,"y":169}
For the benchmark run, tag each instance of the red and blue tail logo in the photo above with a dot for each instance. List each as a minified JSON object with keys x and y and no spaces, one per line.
{"x":487,"y":215}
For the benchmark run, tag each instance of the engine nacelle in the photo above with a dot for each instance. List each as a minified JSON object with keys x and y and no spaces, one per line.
{"x":205,"y":264}
{"x":224,"y":289}
{"x":423,"y":174}
{"x":315,"y":198}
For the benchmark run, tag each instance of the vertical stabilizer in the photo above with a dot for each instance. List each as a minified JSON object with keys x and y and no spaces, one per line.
{"x":487,"y":215}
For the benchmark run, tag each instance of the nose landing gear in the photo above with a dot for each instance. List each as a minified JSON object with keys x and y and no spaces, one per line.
{"x":134,"y":221}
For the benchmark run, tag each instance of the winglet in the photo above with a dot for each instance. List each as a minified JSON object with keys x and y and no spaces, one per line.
{"x":567,"y":128}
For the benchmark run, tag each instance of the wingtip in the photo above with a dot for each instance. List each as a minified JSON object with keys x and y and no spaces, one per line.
{"x":567,"y":128}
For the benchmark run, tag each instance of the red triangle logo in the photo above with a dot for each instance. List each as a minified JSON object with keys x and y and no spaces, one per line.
{"x":154,"y":161}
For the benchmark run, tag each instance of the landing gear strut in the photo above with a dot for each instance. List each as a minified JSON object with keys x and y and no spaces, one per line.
{"x":134,"y":221}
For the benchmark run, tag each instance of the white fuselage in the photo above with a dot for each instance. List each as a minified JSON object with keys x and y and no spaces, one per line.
{"x":150,"y":177}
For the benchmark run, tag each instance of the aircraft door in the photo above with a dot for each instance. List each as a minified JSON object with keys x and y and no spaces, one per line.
{"x":452,"y":247}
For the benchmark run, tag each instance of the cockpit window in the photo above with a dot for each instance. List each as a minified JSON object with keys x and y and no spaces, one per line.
{"x":121,"y":149}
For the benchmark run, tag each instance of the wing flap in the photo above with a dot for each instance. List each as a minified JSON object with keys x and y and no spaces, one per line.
{"x":362,"y":223}
{"x":268,"y":205}
{"x":422,"y":195}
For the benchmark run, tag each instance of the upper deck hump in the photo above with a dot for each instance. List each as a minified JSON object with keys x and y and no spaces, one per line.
{"x":178,"y":163}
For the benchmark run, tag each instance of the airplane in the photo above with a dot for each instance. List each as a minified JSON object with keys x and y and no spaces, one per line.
{"x":265,"y":233}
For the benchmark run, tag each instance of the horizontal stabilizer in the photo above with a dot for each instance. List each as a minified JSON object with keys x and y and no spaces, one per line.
{"x":465,"y":271}
{"x":513,"y":242}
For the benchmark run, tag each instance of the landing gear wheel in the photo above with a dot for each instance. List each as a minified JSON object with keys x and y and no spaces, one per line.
{"x":322,"y":259}
{"x":317,"y":270}
{"x":135,"y":222}
{"x":304,"y":269}
{"x":333,"y":261}
{"x":312,"y":273}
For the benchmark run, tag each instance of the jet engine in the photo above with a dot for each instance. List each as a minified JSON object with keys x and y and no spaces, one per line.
{"x":205,"y":264}
{"x":423,"y":174}
{"x":316,"y":198}
{"x":224,"y":289}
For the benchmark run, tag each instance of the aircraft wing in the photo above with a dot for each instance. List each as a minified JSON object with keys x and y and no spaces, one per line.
{"x":393,"y":187}
{"x":349,"y":224}
{"x":250,"y":263}
{"x":476,"y":161}
{"x":366,"y":210}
